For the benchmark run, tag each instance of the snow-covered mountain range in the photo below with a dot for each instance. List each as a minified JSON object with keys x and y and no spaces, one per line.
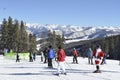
{"x":74,"y":32}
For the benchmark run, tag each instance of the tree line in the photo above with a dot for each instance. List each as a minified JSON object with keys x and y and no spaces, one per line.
{"x":51,"y":38}
{"x":109,"y":44}
{"x":14,"y":36}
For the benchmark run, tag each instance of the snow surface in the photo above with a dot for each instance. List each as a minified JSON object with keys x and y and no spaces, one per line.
{"x":37,"y":70}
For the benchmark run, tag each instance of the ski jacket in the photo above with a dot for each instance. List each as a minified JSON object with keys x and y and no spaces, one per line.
{"x":90,"y":53}
{"x":75,"y":52}
{"x":61,"y":55}
{"x":51,"y":53}
{"x":98,"y":53}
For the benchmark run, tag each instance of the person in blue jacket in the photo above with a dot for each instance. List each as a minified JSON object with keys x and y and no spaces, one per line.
{"x":51,"y":54}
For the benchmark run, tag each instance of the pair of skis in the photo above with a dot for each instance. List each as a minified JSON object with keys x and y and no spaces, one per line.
{"x":58,"y":74}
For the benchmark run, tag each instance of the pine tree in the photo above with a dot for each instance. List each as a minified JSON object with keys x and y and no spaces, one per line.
{"x":16,"y":35}
{"x":10,"y":33}
{"x":32,"y":43}
{"x":23,"y":43}
{"x":43,"y":40}
{"x":4,"y":34}
{"x":54,"y":40}
{"x":50,"y":38}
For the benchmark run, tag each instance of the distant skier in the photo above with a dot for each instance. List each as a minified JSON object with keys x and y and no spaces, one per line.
{"x":30,"y":57}
{"x":61,"y":59}
{"x":104,"y":59}
{"x":45,"y":51}
{"x":34,"y":56}
{"x":42,"y":56}
{"x":51,"y":55}
{"x":75,"y":55}
{"x":17,"y":58}
{"x":90,"y":56}
{"x":98,"y":54}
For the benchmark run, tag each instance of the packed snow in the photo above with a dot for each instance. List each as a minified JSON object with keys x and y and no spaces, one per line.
{"x":37,"y":70}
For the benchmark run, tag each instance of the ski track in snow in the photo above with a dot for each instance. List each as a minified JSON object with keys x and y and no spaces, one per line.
{"x":37,"y":70}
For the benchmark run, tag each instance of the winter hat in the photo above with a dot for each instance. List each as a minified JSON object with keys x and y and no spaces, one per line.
{"x":98,"y":46}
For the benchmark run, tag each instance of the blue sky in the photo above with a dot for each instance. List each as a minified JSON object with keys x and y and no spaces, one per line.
{"x":64,"y":12}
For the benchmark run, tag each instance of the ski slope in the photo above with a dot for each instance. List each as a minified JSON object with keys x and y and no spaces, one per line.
{"x":37,"y":70}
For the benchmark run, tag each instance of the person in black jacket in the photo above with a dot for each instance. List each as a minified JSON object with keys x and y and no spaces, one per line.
{"x":17,"y":58}
{"x":45,"y":54}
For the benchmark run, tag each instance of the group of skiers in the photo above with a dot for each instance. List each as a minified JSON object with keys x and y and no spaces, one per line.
{"x":59,"y":56}
{"x":99,"y":57}
{"x":32,"y":57}
{"x":97,"y":54}
{"x":49,"y":53}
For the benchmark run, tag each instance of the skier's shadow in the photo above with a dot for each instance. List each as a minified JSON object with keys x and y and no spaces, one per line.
{"x":29,"y":74}
{"x":47,"y":72}
{"x":110,"y":71}
{"x":22,"y":67}
{"x":78,"y":71}
{"x":88,"y":71}
{"x":50,"y":72}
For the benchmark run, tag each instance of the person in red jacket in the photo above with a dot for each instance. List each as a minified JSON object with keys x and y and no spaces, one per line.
{"x":61,"y":59}
{"x":98,"y":55}
{"x":75,"y":55}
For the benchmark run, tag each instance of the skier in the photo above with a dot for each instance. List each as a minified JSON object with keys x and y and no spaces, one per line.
{"x":75,"y":55}
{"x":30,"y":57}
{"x":41,"y":56}
{"x":45,"y":54}
{"x":90,"y":56}
{"x":34,"y":56}
{"x":61,"y":59}
{"x":50,"y":56}
{"x":98,"y":54}
{"x":104,"y":59}
{"x":17,"y":58}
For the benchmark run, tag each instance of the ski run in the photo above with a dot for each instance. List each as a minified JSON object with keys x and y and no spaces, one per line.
{"x":37,"y":70}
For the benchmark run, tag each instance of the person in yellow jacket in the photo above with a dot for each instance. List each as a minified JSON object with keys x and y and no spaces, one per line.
{"x":75,"y":55}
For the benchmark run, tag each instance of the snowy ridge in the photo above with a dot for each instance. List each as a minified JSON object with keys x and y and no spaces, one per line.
{"x":74,"y":32}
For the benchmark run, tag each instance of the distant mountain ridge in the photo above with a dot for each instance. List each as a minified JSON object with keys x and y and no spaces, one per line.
{"x":74,"y":32}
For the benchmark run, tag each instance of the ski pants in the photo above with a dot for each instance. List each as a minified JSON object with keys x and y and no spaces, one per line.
{"x":61,"y":65}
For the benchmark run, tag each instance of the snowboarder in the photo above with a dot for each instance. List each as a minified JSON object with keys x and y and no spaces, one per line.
{"x":90,"y":56}
{"x":98,"y":54}
{"x":50,"y":56}
{"x":61,"y":59}
{"x":75,"y":55}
